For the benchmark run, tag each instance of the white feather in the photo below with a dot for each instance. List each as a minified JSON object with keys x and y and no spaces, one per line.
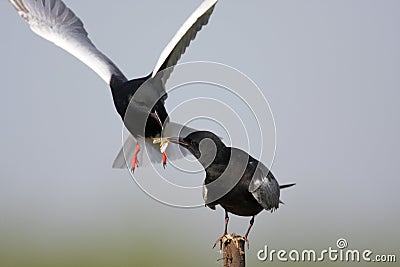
{"x":55,"y":22}
{"x":186,"y":33}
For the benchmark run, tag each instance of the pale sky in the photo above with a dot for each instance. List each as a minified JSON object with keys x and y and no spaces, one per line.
{"x":329,"y":70}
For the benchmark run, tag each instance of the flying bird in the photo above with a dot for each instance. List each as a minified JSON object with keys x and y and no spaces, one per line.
{"x":239,"y":183}
{"x":55,"y":22}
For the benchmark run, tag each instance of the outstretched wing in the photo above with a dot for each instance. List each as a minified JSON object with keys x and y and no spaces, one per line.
{"x":177,"y":46}
{"x":55,"y":22}
{"x":264,"y":188}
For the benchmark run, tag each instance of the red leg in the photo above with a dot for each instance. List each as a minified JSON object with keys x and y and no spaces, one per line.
{"x":135,"y":162}
{"x":164,"y":159}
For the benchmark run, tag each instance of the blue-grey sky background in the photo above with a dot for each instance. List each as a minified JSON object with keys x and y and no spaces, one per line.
{"x":329,"y":69}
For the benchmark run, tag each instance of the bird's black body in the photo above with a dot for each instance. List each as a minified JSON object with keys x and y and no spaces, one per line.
{"x":239,"y":183}
{"x":238,"y":200}
{"x":228,"y":164}
{"x":122,"y":93}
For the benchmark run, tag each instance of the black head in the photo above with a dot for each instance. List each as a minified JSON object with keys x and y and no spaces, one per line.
{"x":204,"y":145}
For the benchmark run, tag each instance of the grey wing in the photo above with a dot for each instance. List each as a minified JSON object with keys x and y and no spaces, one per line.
{"x":55,"y":22}
{"x":149,"y":153}
{"x":265,"y":188}
{"x":187,"y":32}
{"x":126,"y":152}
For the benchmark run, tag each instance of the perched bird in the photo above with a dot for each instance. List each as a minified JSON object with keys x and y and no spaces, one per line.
{"x":54,"y":21}
{"x":239,"y":183}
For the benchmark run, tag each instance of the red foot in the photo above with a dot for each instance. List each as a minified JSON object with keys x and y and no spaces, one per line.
{"x":135,"y":162}
{"x":164,"y":159}
{"x":220,"y":241}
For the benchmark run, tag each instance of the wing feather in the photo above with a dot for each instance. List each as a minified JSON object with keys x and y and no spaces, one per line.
{"x":55,"y":22}
{"x":187,"y":32}
{"x":264,"y":188}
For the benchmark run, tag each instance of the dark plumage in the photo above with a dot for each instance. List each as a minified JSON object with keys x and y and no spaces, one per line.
{"x":239,"y":183}
{"x":156,"y":116}
{"x":143,"y":111}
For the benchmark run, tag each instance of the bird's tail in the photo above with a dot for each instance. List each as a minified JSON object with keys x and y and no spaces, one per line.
{"x":286,"y":185}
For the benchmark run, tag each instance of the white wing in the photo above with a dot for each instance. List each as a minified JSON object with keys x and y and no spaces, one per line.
{"x":177,"y":46}
{"x":55,"y":22}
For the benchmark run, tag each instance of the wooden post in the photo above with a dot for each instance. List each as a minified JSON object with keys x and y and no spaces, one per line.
{"x":233,"y":251}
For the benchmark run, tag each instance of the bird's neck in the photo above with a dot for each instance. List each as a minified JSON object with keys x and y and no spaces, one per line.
{"x":221,"y":158}
{"x":115,"y":82}
{"x":118,"y":93}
